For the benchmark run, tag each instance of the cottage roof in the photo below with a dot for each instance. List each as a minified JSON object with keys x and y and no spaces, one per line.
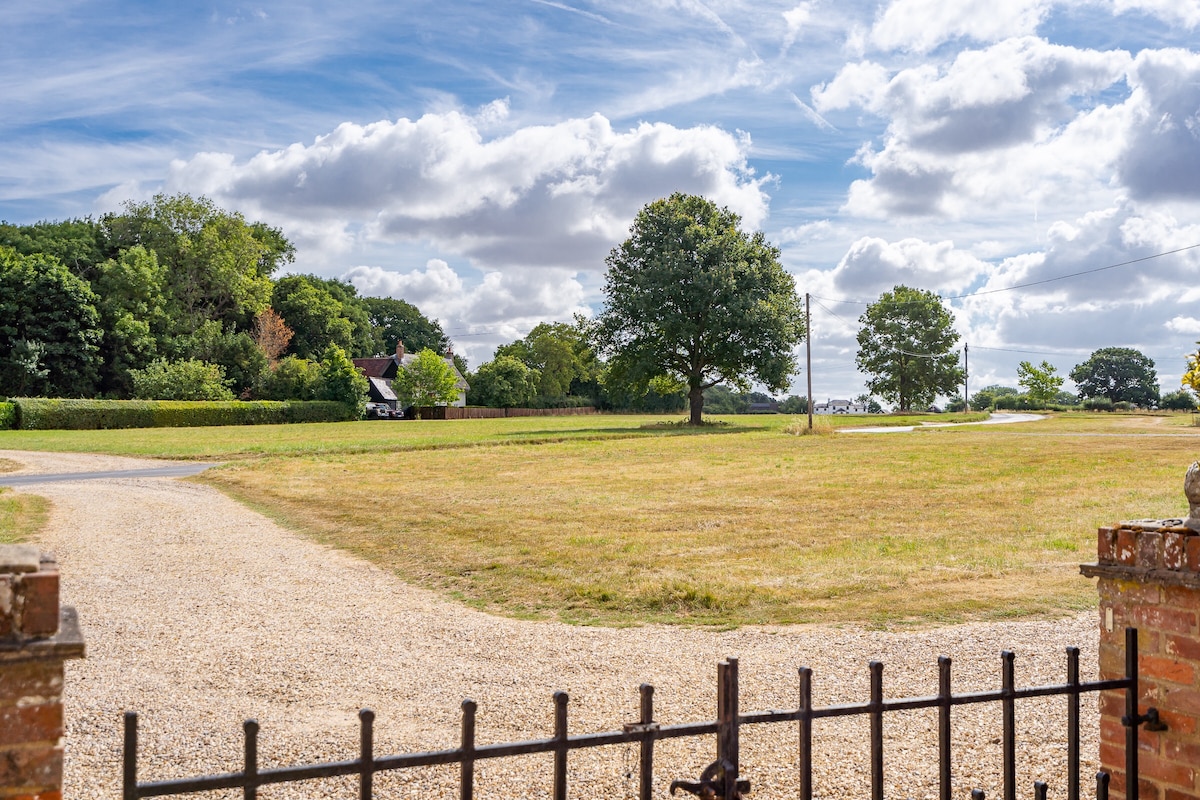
{"x":382,"y":389}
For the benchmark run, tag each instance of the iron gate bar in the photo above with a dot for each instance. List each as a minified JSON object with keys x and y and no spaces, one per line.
{"x":1008,"y":729}
{"x":646,"y":732}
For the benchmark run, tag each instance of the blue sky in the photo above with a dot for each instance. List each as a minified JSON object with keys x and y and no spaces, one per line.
{"x":480,"y":158}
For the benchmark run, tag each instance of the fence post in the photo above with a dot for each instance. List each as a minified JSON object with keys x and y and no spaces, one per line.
{"x":36,"y":637}
{"x":1149,"y":580}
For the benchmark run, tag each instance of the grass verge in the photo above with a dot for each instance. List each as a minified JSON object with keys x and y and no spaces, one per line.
{"x":974,"y":523}
{"x":21,"y":515}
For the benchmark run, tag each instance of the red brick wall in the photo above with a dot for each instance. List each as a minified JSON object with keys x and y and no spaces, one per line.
{"x":32,"y":650}
{"x":1149,"y":578}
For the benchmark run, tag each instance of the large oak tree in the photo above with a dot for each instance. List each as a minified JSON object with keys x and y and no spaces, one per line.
{"x":693,"y":299}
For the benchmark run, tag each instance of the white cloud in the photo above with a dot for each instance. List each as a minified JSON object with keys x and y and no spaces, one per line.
{"x":873,"y":266}
{"x":553,"y":196}
{"x":922,"y":25}
{"x":1183,"y":12}
{"x":498,"y":308}
{"x":1162,"y":155}
{"x":795,"y":19}
{"x":1185,"y":325}
{"x":994,"y":127}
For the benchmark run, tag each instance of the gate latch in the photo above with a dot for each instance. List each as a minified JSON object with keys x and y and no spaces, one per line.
{"x":711,"y":785}
{"x":1153,"y":723}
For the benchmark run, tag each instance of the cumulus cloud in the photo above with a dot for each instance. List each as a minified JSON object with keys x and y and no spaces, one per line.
{"x":795,"y":19}
{"x":994,"y":124}
{"x":922,"y":25}
{"x":554,"y":195}
{"x":1162,"y":153}
{"x":478,"y":314}
{"x":873,"y":266}
{"x":1182,"y":12}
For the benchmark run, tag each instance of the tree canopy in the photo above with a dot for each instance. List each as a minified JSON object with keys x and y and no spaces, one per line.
{"x":906,"y":346}
{"x":85,"y":304}
{"x":504,"y":382}
{"x":690,"y":297}
{"x":1041,"y":384}
{"x":1121,"y":374}
{"x":427,"y":380}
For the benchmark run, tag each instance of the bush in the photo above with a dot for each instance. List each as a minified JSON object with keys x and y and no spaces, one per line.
{"x":44,"y":414}
{"x":1123,"y":405}
{"x":180,"y":380}
{"x":8,"y":416}
{"x":1182,"y":400}
{"x":1098,"y":404}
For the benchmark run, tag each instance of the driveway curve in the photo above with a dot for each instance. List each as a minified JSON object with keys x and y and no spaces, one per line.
{"x":994,"y":419}
{"x":199,"y":612}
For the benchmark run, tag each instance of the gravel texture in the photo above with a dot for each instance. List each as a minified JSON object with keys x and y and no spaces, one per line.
{"x":199,"y":613}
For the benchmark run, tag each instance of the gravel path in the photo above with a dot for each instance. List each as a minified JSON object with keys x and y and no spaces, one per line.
{"x":199,"y":613}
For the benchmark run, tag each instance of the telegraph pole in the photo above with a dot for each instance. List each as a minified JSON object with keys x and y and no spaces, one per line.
{"x":967,"y":376}
{"x":808,"y":355}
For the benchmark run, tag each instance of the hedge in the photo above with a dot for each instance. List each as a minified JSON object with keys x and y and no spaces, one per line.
{"x":8,"y":416}
{"x":36,"y":413}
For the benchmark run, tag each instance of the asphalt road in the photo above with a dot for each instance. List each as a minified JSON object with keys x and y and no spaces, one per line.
{"x":172,"y":471}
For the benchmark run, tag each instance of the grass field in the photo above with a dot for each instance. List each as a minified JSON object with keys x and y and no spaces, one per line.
{"x":617,"y":521}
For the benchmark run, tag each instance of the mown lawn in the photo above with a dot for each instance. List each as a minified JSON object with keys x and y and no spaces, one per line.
{"x":748,"y":526}
{"x":621,"y":520}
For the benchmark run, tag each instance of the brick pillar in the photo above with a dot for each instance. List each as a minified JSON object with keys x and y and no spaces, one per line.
{"x":36,"y":636}
{"x":1149,"y":579}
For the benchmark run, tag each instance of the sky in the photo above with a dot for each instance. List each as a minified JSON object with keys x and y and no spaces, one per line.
{"x":481,"y":159}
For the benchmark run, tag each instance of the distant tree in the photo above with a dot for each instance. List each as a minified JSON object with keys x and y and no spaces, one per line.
{"x":794,"y":404}
{"x":1121,"y":374}
{"x":49,"y":328}
{"x":190,"y":379}
{"x":504,"y":382}
{"x":427,"y":380}
{"x":872,"y":405}
{"x":723,"y":400}
{"x":340,"y":380}
{"x":906,"y":345}
{"x":132,"y":304}
{"x":1181,"y":400}
{"x":1065,"y":399}
{"x":395,"y":321}
{"x":561,"y":354}
{"x":691,"y":297}
{"x":986,"y":397}
{"x":1040,"y":383}
{"x":78,"y":244}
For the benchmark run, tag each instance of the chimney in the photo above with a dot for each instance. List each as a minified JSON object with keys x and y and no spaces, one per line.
{"x":399,"y":350}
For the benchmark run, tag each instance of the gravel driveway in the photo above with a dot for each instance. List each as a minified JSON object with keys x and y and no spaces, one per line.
{"x":199,"y":613}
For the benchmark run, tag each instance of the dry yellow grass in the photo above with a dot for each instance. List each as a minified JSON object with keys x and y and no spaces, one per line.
{"x":743,"y":527}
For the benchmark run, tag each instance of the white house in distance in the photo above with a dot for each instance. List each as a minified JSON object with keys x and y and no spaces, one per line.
{"x":840,"y":407}
{"x":381,"y":370}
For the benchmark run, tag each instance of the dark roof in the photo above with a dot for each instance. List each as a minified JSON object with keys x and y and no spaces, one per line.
{"x":378,"y":367}
{"x":381,"y":391}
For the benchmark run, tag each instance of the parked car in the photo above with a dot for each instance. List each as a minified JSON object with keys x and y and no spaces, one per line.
{"x":381,"y":411}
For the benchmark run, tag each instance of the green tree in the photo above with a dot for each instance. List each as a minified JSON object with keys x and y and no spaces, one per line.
{"x":906,"y":345}
{"x":79,"y":244}
{"x":986,"y":397}
{"x":691,"y":297}
{"x":49,"y":328}
{"x":218,"y":265}
{"x":427,"y":380}
{"x":314,"y":315}
{"x":241,"y":359}
{"x":1040,"y":383}
{"x":504,"y":382}
{"x":190,"y":379}
{"x":1180,"y":400}
{"x":561,"y":354}
{"x":394,"y":321}
{"x":1121,"y":374}
{"x":291,"y":379}
{"x":339,"y":380}
{"x":794,"y":404}
{"x":723,"y":400}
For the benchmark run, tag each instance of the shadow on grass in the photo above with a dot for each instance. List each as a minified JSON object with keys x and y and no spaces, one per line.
{"x":654,"y":429}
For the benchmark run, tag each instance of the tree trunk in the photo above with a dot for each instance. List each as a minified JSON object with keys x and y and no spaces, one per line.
{"x":696,"y":402}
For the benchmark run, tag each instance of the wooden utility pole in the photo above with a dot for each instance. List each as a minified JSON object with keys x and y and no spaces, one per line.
{"x":966,"y":376}
{"x":808,"y":356}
